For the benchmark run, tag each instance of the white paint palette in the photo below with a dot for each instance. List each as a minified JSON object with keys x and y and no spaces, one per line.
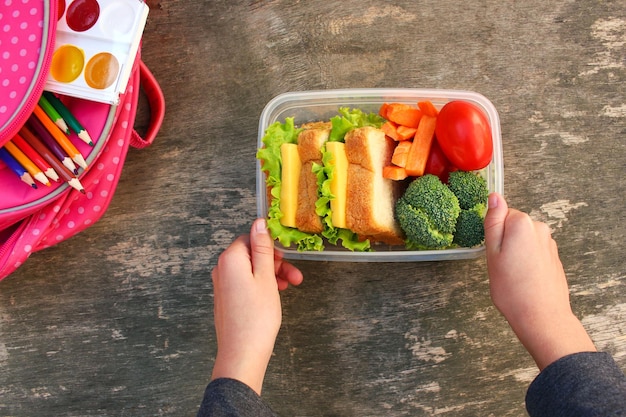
{"x":96,"y":45}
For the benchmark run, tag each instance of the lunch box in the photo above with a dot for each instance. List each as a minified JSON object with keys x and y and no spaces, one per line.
{"x":310,"y":106}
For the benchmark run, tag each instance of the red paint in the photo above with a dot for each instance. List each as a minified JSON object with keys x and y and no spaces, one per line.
{"x":82,"y":14}
{"x":61,"y":9}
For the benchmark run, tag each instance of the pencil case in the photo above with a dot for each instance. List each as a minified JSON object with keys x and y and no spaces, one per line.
{"x":34,"y":219}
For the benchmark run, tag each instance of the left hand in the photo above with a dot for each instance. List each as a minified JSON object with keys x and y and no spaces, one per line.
{"x":247,"y":309}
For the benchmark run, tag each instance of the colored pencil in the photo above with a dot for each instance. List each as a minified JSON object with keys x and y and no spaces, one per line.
{"x":16,"y":167}
{"x":35,"y":157}
{"x":40,"y":131}
{"x":53,"y":114}
{"x":67,"y":115}
{"x":25,"y":161}
{"x":43,"y":150}
{"x":60,"y":137}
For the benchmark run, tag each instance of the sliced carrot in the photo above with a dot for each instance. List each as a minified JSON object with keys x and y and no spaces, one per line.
{"x":405,"y":133}
{"x":391,"y":130}
{"x":420,"y":148}
{"x":428,"y":108}
{"x":403,"y":114}
{"x":401,"y":153}
{"x":394,"y":173}
{"x":382,"y":112}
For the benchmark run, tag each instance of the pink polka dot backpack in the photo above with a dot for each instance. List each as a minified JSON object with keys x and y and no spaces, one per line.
{"x":40,"y":205}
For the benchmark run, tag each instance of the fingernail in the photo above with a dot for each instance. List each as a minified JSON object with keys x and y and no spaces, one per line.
{"x":493,"y":200}
{"x":260,"y":226}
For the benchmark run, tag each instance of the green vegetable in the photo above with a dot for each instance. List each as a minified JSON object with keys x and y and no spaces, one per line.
{"x":427,"y":213}
{"x":469,"y":187}
{"x":348,"y":120}
{"x":470,"y":229}
{"x":471,"y":190}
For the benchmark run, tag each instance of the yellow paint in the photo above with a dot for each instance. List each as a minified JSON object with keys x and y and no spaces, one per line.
{"x":290,"y":177}
{"x":338,"y":183}
{"x":67,"y":63}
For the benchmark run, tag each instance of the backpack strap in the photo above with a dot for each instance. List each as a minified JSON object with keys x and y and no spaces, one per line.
{"x":156,"y":101}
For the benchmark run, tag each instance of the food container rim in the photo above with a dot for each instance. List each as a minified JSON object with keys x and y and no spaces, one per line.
{"x":361,"y":96}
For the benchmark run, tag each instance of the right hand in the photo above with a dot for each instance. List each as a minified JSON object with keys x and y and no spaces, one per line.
{"x":528,"y":284}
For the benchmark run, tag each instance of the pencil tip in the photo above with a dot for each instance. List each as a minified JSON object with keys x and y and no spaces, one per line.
{"x":85,"y":137}
{"x":80,"y":161}
{"x":75,"y":183}
{"x":63,"y":126}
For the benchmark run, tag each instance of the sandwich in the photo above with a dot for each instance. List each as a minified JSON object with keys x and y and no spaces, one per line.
{"x":370,"y":198}
{"x":325,"y":182}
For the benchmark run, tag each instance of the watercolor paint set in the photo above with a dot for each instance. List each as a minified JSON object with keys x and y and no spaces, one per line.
{"x":96,"y":44}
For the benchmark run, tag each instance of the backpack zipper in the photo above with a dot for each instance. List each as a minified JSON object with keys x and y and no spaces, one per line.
{"x":7,"y":246}
{"x":47,"y":47}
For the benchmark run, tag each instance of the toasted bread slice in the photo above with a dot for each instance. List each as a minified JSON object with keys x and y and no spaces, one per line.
{"x":370,"y":197}
{"x":310,"y":142}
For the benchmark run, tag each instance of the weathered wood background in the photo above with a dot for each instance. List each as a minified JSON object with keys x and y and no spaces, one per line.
{"x":117,"y":321}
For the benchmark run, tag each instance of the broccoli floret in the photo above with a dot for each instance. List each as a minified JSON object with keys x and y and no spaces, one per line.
{"x":469,"y":187}
{"x":471,"y":190}
{"x":470,"y":229}
{"x":427,"y":213}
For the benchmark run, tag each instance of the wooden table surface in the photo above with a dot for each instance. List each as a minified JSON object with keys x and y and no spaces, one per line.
{"x":117,"y":321}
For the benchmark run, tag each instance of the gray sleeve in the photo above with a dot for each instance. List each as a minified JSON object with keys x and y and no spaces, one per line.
{"x":583,"y":384}
{"x":226,"y":397}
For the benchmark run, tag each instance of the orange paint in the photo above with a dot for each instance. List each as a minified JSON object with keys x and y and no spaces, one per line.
{"x":101,"y":70}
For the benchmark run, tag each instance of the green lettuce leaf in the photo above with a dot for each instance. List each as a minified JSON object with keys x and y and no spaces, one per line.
{"x":348,"y":120}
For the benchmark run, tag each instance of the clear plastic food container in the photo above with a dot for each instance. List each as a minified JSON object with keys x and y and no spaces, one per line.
{"x":309,"y":106}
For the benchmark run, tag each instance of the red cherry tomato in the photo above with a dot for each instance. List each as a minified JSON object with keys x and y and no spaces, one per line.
{"x":464,"y":134}
{"x":437,"y":163}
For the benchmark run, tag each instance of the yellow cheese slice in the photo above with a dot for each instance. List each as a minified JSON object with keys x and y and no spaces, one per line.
{"x":338,"y":183}
{"x":290,"y":176}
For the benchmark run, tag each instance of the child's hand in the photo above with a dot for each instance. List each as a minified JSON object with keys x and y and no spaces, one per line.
{"x":528,"y":284}
{"x":247,"y":308}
